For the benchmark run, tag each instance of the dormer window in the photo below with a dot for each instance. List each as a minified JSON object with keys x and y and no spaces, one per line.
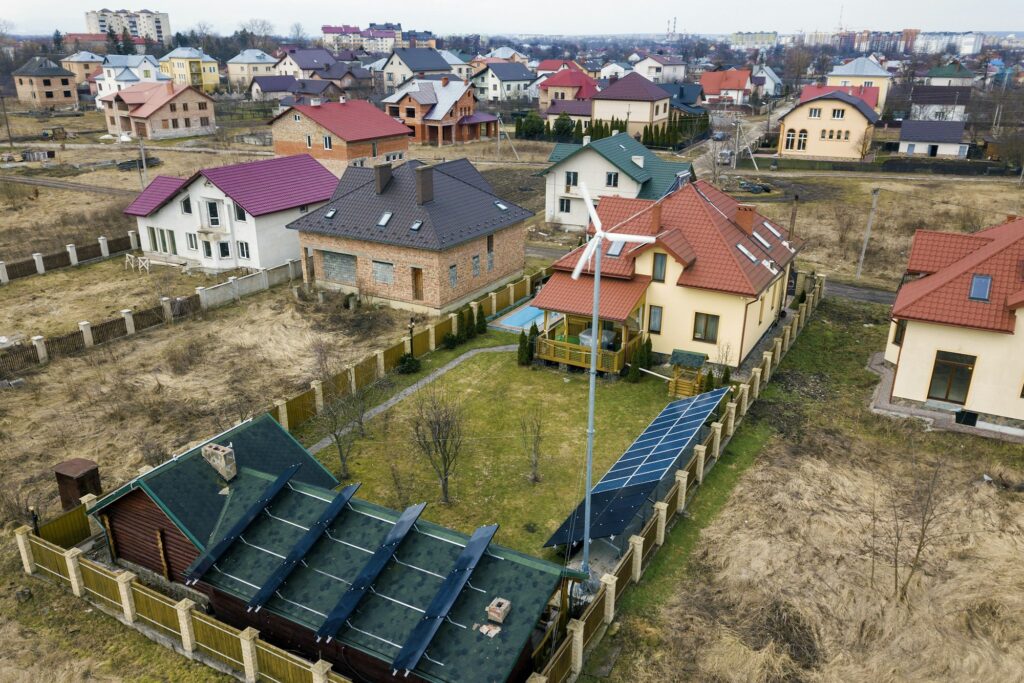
{"x":416,"y":225}
{"x":746,"y":252}
{"x":501,"y":205}
{"x":330,"y":213}
{"x":615,"y":249}
{"x":764,"y":243}
{"x":385,"y":217}
{"x":981,"y":287}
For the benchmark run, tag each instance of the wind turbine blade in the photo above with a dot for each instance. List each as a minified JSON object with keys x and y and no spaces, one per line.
{"x":626,"y":237}
{"x":588,"y":253}
{"x":590,"y":206}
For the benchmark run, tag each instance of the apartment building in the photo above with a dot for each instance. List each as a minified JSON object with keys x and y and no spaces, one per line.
{"x":140,"y":24}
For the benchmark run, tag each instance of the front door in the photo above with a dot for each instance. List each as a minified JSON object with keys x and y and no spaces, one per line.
{"x":951,"y":377}
{"x":933,"y":150}
{"x":417,"y":284}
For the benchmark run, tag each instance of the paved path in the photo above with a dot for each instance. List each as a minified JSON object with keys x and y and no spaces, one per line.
{"x":552,"y":253}
{"x":66,"y":185}
{"x":859,"y":293}
{"x":413,"y":388}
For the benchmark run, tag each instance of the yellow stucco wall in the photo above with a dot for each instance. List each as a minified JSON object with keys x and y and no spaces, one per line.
{"x":879,"y":82}
{"x":179,"y":69}
{"x":639,"y":114}
{"x":853,"y":128}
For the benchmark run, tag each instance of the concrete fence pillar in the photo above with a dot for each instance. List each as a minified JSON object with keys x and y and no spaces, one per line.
{"x":40,"y":267}
{"x":321,"y":670}
{"x":755,"y":383}
{"x":233,"y":286}
{"x":133,"y":238}
{"x":494,"y":302}
{"x":294,"y":269}
{"x":575,"y":629}
{"x":168,"y":312}
{"x":609,"y":581}
{"x":204,"y":301}
{"x":28,"y":562}
{"x":636,"y":544}
{"x":86,"y":327}
{"x":247,"y":639}
{"x":730,"y":418}
{"x":104,"y":249}
{"x":71,"y":558}
{"x":3,"y":274}
{"x":282,"y":413}
{"x":264,"y":279}
{"x":124,"y":589}
{"x":72,"y":254}
{"x":455,"y":322}
{"x":716,"y":439}
{"x":537,"y":678}
{"x":810,"y":300}
{"x":701,"y":453}
{"x":786,"y":337}
{"x":432,"y":337}
{"x":407,"y":343}
{"x":744,"y":392}
{"x":803,"y":315}
{"x":767,"y":359}
{"x":318,"y":395}
{"x":89,"y":500}
{"x":821,"y":288}
{"x":661,"y":510}
{"x":511,"y":294}
{"x":380,"y":364}
{"x":777,"y":351}
{"x":188,"y":634}
{"x":129,"y":320}
{"x":39,"y":342}
{"x":475,"y":306}
{"x":682,"y":477}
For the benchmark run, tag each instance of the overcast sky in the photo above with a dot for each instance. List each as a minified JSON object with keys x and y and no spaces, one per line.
{"x":543,"y":16}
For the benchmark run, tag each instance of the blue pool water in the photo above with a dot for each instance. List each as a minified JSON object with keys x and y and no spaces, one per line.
{"x":522,"y":318}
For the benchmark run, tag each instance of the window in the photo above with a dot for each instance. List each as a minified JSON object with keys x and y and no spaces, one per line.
{"x":49,"y":94}
{"x":225,"y":249}
{"x":384,"y":218}
{"x":476,"y":265}
{"x":192,"y":240}
{"x":838,"y":114}
{"x":67,"y":93}
{"x":790,"y":138}
{"x":328,"y":143}
{"x":846,"y":135}
{"x":951,"y":377}
{"x":705,"y":328}
{"x":174,"y":107}
{"x":490,"y":252}
{"x":501,"y":205}
{"x":373,"y":149}
{"x":239,"y":213}
{"x":814,"y":113}
{"x":823,"y":133}
{"x":910,"y":148}
{"x":309,"y":142}
{"x":184,"y":106}
{"x":174,"y":123}
{"x":202,"y":106}
{"x":416,"y":225}
{"x":186,"y":205}
{"x":207,"y":250}
{"x":383,"y":272}
{"x":746,"y":252}
{"x":243,"y":249}
{"x":564,"y":205}
{"x":453,"y":275}
{"x":611,"y":179}
{"x":760,"y":238}
{"x":213,"y":211}
{"x":981,"y":287}
{"x":869,"y":84}
{"x":572,"y":178}
{"x":660,"y":261}
{"x":296,"y":117}
{"x":654,"y":319}
{"x":801,"y":141}
{"x":46,"y":82}
{"x":831,"y":135}
{"x":188,"y":123}
{"x":410,"y":112}
{"x":899,"y":332}
{"x":303,"y":208}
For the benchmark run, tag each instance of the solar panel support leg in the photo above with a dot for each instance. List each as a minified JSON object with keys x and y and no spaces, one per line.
{"x":755,"y":383}
{"x":188,"y":635}
{"x":609,"y":581}
{"x":682,"y":477}
{"x":247,"y":639}
{"x":701,"y":453}
{"x":575,"y":629}
{"x":730,"y":418}
{"x":636,"y":544}
{"x":660,"y":509}
{"x":321,"y":671}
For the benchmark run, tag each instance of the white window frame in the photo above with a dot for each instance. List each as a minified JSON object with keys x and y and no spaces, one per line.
{"x":192,"y":240}
{"x":328,"y":142}
{"x":838,"y":114}
{"x":564,"y":205}
{"x":242,"y":249}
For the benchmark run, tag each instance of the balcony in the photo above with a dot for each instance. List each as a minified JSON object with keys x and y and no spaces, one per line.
{"x":561,"y":344}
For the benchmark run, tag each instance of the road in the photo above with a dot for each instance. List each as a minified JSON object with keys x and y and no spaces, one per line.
{"x":66,"y":185}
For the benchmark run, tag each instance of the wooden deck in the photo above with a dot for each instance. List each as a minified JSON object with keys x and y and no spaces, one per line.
{"x":579,"y":355}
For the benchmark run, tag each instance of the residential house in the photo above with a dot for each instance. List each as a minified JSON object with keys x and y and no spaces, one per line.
{"x":503,"y":82}
{"x":344,"y":36}
{"x":340,"y":134}
{"x":353,"y":81}
{"x":509,"y":54}
{"x":550,"y":66}
{"x":952,"y":74}
{"x":479,"y":63}
{"x":868,"y":94}
{"x":40,"y":82}
{"x":957,"y":324}
{"x":440,"y":111}
{"x":118,"y":72}
{"x":833,"y":125}
{"x":592,"y":67}
{"x":577,"y":111}
{"x":772,"y":86}
{"x":222,"y":516}
{"x":863,"y":71}
{"x":191,"y":66}
{"x":567,"y":84}
{"x":303,"y":62}
{"x":421,"y":238}
{"x":633,"y":99}
{"x":248,"y":64}
{"x":82,"y":64}
{"x":933,"y":139}
{"x":409,"y":62}
{"x":731,"y":86}
{"x":459,"y":65}
{"x":613,"y":70}
{"x":713,"y":283}
{"x":686,"y":98}
{"x":316,"y":89}
{"x":265,"y":88}
{"x":231,"y":216}
{"x":661,"y":69}
{"x":158,"y":111}
{"x":616,"y":166}
{"x":939,"y":102}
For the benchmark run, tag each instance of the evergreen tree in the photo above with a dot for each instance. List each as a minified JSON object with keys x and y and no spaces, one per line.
{"x":709,"y":381}
{"x":547,"y":130}
{"x":633,"y":375}
{"x":127,"y":47}
{"x":645,"y":137}
{"x":726,"y":375}
{"x":563,"y":128}
{"x":534,"y":333}
{"x":113,"y":44}
{"x":648,"y":353}
{"x":577,"y":133}
{"x":481,"y":321}
{"x":523,"y":357}
{"x":470,"y":323}
{"x":58,"y":42}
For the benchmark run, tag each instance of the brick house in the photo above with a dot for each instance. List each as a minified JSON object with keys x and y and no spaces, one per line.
{"x":405,"y":63}
{"x":421,"y":238}
{"x":159,"y":110}
{"x":633,"y":99}
{"x":340,"y":134}
{"x":43,"y":83}
{"x":440,"y":111}
{"x":567,"y":84}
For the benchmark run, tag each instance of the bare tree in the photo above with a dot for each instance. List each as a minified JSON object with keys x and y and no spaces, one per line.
{"x":531,"y":433}
{"x":797,"y":61}
{"x":297,"y":34}
{"x":260,"y":29}
{"x":203,"y":31}
{"x":437,"y":432}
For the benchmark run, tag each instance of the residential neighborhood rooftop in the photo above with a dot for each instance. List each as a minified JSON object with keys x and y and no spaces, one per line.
{"x":632,"y":87}
{"x":932,"y":131}
{"x":352,"y":120}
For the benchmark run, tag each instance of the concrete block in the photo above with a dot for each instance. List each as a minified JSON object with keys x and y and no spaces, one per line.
{"x":41,"y":353}
{"x":129,"y":320}
{"x":71,"y":558}
{"x":124,"y":589}
{"x":86,"y":327}
{"x":609,"y":581}
{"x":104,"y":249}
{"x":188,"y":635}
{"x":72,"y":254}
{"x":575,"y":630}
{"x":38,"y":258}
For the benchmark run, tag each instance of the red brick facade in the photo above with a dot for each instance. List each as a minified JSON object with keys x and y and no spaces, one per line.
{"x":308,"y":137}
{"x":446,"y":130}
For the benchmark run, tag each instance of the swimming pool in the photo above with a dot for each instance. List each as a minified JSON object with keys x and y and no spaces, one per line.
{"x":524,"y":316}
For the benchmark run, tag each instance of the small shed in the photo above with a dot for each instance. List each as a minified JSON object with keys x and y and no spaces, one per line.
{"x":687,"y":373}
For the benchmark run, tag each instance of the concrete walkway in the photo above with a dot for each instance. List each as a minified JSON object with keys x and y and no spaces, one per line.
{"x":413,"y":388}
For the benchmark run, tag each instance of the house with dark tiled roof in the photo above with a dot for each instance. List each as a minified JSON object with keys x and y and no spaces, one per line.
{"x":414,"y":62}
{"x":712,"y":283}
{"x":956,"y":341}
{"x":617,"y":165}
{"x":352,"y":80}
{"x":499,"y":82}
{"x":440,"y":111}
{"x":633,"y":99}
{"x":830,"y":125}
{"x":686,"y":98}
{"x":43,"y":83}
{"x":302,"y":62}
{"x":229,"y":217}
{"x":577,"y":111}
{"x":270,"y":540}
{"x":421,"y":238}
{"x":943,"y":139}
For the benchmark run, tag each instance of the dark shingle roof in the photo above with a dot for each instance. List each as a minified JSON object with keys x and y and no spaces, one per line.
{"x":570,"y":107}
{"x":422,"y":59}
{"x":311,"y":86}
{"x":940,"y":94}
{"x":463,"y":208}
{"x":684,"y":93}
{"x":313,"y":58}
{"x":274,"y":83}
{"x":510,"y":71}
{"x":41,"y":66}
{"x":932,"y":131}
{"x":632,"y":87}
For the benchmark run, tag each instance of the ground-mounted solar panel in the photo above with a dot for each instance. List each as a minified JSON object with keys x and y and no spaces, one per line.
{"x":202,"y":564}
{"x":303,"y":546}
{"x":610,"y":513}
{"x":351,"y":598}
{"x":416,"y":644}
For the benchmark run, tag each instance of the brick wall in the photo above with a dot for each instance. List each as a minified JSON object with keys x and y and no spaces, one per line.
{"x":465,"y":106}
{"x":32,"y":90}
{"x":290,"y":138}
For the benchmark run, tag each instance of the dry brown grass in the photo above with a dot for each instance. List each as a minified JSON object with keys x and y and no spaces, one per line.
{"x":529,"y":151}
{"x":42,"y":219}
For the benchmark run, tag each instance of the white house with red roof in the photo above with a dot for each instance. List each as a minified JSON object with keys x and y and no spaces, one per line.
{"x":713,"y":282}
{"x":732,"y":86}
{"x":229,"y":217}
{"x":957,"y":335}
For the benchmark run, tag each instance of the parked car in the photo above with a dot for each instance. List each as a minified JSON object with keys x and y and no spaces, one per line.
{"x":725,"y":157}
{"x":720,"y":136}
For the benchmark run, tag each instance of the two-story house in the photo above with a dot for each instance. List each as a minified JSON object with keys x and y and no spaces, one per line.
{"x":158,"y":111}
{"x":82,"y":64}
{"x":939,"y":102}
{"x":772,"y":86}
{"x":440,"y":111}
{"x":615,"y":70}
{"x":833,"y":125}
{"x":661,"y":69}
{"x":246,"y":65}
{"x":460,"y":67}
{"x":632,"y":99}
{"x":191,"y":66}
{"x":408,"y":62}
{"x":40,"y":82}
{"x":230,"y":216}
{"x":499,"y":82}
{"x":567,"y":84}
{"x":118,"y":72}
{"x":950,"y":75}
{"x":420,"y":238}
{"x":303,"y":62}
{"x":863,"y":71}
{"x":730,"y":86}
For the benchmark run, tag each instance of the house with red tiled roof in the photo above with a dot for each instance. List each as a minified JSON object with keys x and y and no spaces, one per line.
{"x":550,"y":66}
{"x":869,"y":94}
{"x":633,"y":99}
{"x":732,"y":86}
{"x":230,"y":217}
{"x":340,"y":134}
{"x":712,"y":283}
{"x":956,"y":341}
{"x":159,"y":110}
{"x":567,"y":84}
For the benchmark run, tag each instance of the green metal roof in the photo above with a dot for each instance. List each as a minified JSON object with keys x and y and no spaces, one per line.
{"x":953,"y":70}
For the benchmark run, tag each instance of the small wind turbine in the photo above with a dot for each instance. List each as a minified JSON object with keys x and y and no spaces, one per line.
{"x":593,"y":250}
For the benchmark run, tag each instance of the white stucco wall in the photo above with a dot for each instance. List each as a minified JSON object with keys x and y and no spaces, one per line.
{"x":591,"y":168}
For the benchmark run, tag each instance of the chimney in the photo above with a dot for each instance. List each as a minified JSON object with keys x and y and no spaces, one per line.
{"x":613,"y":78}
{"x":444,"y":81}
{"x":381,"y":177}
{"x":638,"y":160}
{"x":745,"y":218}
{"x":656,"y":217}
{"x":424,"y":184}
{"x":222,"y":459}
{"x":586,"y":140}
{"x":342,"y":99}
{"x":1010,"y":217}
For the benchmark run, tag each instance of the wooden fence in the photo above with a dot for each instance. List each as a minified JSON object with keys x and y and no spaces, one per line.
{"x":68,"y":529}
{"x":73,"y":255}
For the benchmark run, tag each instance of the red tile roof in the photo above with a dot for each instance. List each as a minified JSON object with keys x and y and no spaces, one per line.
{"x":714,"y":82}
{"x":576,"y":297}
{"x":634,"y":88}
{"x":570,"y":78}
{"x":556,"y":64}
{"x":942,"y":297}
{"x":156,"y":193}
{"x":932,"y":251}
{"x":351,"y":121}
{"x":868,"y":95}
{"x":144,"y":99}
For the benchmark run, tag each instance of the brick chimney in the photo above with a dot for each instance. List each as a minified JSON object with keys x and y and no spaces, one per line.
{"x":424,"y":184}
{"x":222,"y":459}
{"x":444,"y":81}
{"x":656,"y":217}
{"x":745,"y":218}
{"x":381,"y":177}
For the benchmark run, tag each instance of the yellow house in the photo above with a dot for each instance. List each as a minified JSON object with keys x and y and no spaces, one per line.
{"x":863,"y":71}
{"x":191,"y":66}
{"x":632,"y":99}
{"x":833,"y":125}
{"x":712,"y":283}
{"x":956,"y":341}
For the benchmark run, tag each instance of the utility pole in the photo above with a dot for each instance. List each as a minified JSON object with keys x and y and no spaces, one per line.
{"x":143,"y":175}
{"x":768,"y":122}
{"x":792,"y":217}
{"x":736,"y":141}
{"x":867,"y":232}
{"x":7,"y":121}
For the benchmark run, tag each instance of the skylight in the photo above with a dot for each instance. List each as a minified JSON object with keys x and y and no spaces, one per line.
{"x":772,"y":229}
{"x":501,"y":205}
{"x":764,"y":243}
{"x":746,"y":252}
{"x":384,"y":219}
{"x":981,"y":287}
{"x":616,"y":248}
{"x":330,"y":213}
{"x":416,"y":225}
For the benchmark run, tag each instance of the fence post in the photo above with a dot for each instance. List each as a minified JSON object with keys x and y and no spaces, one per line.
{"x":74,"y":571}
{"x":247,"y":639}
{"x":3,"y":274}
{"x":28,"y":563}
{"x":165,"y":303}
{"x":294,"y":269}
{"x":609,"y":581}
{"x":432,"y":337}
{"x":89,"y":500}
{"x":475,"y":307}
{"x":537,"y":678}
{"x":204,"y":303}
{"x":744,"y":392}
{"x":318,"y":394}
{"x":124,"y":589}
{"x":133,"y":238}
{"x":777,"y":351}
{"x":803,"y":315}
{"x":785,"y":337}
{"x":264,"y":279}
{"x":767,"y":359}
{"x":282,"y":413}
{"x":755,"y":383}
{"x":455,"y":322}
{"x":575,"y":629}
{"x":716,"y":439}
{"x":636,"y":544}
{"x":407,"y":342}
{"x":72,"y":254}
{"x":681,"y":479}
{"x":511,"y":294}
{"x":188,"y":635}
{"x":40,"y":267}
{"x":104,"y":249}
{"x":380,"y":364}
{"x":320,"y":671}
{"x":233,"y":283}
{"x":730,"y":418}
{"x":701,"y":453}
{"x":660,"y":509}
{"x":494,"y":302}
{"x":86,"y":327}
{"x":40,"y":343}
{"x":129,"y":321}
